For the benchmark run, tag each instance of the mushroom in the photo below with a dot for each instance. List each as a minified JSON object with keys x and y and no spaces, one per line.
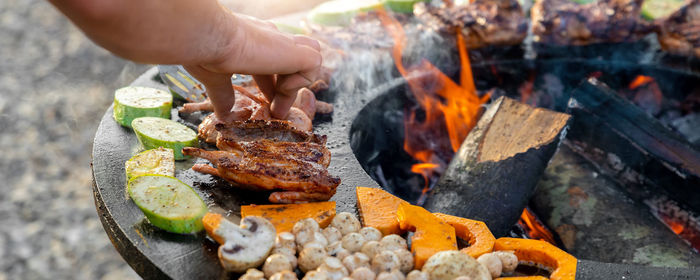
{"x":447,"y":265}
{"x":385,"y":261}
{"x":252,"y":274}
{"x":346,"y":223}
{"x":492,"y":263}
{"x":353,"y":242}
{"x":508,"y":259}
{"x":417,"y":275}
{"x":392,"y":275}
{"x":334,"y":268}
{"x":371,"y":248}
{"x":356,"y":261}
{"x":332,"y":234}
{"x":405,"y":260}
{"x":363,"y":273}
{"x":393,"y":242}
{"x":371,"y":234}
{"x":246,"y":246}
{"x":316,"y":275}
{"x":276,"y":263}
{"x":311,"y":257}
{"x":285,"y":240}
{"x":463,"y":278}
{"x":284,"y":275}
{"x":305,"y":231}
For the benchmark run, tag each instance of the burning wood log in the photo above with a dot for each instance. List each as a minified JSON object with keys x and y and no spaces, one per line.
{"x":495,"y":171}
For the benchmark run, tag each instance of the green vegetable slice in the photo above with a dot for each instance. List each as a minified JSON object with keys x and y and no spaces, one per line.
{"x":402,"y":6}
{"x":168,"y":203}
{"x":340,"y":12}
{"x":157,"y":161}
{"x":656,"y":9}
{"x":156,"y":132}
{"x":134,"y":102}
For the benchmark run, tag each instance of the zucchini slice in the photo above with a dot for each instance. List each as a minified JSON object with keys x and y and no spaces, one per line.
{"x":157,"y":132}
{"x":656,"y":9}
{"x":157,"y":161}
{"x":168,"y":203}
{"x":402,"y":6}
{"x":134,"y":102}
{"x":340,"y":12}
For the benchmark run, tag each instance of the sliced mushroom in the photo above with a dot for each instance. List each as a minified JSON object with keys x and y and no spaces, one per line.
{"x":246,"y":246}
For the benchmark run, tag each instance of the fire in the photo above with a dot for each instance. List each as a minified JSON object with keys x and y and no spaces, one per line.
{"x":640,"y":81}
{"x":647,"y":93}
{"x":447,"y":106}
{"x":535,"y":228}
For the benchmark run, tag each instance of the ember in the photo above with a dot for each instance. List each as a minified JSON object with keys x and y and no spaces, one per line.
{"x":446,"y":106}
{"x":534,"y":228}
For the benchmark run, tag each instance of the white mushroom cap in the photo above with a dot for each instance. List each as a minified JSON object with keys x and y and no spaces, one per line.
{"x":246,"y":246}
{"x":334,"y":268}
{"x":253,"y":274}
{"x":371,"y":248}
{"x":305,"y":224}
{"x":447,"y":265}
{"x":393,"y":242}
{"x":417,"y":275}
{"x":356,"y":261}
{"x":332,"y":234}
{"x":405,"y":260}
{"x":353,"y":242}
{"x":276,"y":263}
{"x":284,"y":275}
{"x":371,"y":234}
{"x":385,"y":261}
{"x":346,"y":223}
{"x":311,"y":257}
{"x":393,"y":275}
{"x":363,"y":273}
{"x":304,"y":231}
{"x":492,"y":263}
{"x":316,"y":275}
{"x":285,"y":239}
{"x":508,"y":259}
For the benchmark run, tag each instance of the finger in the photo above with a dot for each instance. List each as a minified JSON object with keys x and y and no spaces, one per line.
{"x":307,"y":41}
{"x":287,"y":87}
{"x":219,"y":90}
{"x":266,"y":84}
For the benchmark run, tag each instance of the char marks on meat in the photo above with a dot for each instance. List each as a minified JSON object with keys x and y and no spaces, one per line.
{"x":564,"y":22}
{"x":482,"y":22}
{"x":680,"y":32}
{"x":305,"y":151}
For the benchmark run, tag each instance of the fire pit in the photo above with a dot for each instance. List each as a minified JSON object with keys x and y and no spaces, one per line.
{"x":369,"y":131}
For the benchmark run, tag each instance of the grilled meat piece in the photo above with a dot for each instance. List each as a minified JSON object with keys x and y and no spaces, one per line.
{"x":564,"y":22}
{"x":482,"y":22}
{"x":304,"y":151}
{"x":680,"y":32}
{"x":304,"y":180}
{"x":275,"y":130}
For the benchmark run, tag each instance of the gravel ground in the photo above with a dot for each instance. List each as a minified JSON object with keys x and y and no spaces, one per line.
{"x":55,"y":85}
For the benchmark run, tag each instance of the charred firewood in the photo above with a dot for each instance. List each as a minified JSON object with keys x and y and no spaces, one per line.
{"x":482,"y":22}
{"x":495,"y":171}
{"x":680,"y":32}
{"x":564,"y":22}
{"x":632,"y":146}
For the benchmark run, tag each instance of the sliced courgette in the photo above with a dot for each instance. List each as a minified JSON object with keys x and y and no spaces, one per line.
{"x":656,"y":9}
{"x":157,"y":132}
{"x":168,"y":203}
{"x":135,"y":102}
{"x":159,"y":161}
{"x":340,"y":12}
{"x":401,"y":6}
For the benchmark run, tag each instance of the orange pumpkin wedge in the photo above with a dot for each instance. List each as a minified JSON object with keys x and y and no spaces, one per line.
{"x":478,"y":235}
{"x":211,"y":222}
{"x":378,"y":209}
{"x":431,"y":234}
{"x":284,"y":216}
{"x":540,"y":252}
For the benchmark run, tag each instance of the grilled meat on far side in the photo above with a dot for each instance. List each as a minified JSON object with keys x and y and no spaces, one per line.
{"x":564,"y":22}
{"x":680,"y":32}
{"x":275,"y":130}
{"x":482,"y":22}
{"x":304,"y":151}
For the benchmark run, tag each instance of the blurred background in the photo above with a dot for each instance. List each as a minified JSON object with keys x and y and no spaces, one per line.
{"x":55,"y":85}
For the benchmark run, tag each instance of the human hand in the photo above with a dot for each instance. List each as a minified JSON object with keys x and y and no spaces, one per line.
{"x":281,"y":64}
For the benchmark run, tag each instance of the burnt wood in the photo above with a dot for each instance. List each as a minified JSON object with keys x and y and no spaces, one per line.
{"x":623,"y":140}
{"x":495,"y":171}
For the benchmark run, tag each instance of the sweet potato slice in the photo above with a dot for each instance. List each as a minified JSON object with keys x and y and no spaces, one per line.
{"x":284,"y":216}
{"x":378,"y":209}
{"x":432,"y":234}
{"x":478,"y":235}
{"x":543,"y":253}
{"x":211,"y":222}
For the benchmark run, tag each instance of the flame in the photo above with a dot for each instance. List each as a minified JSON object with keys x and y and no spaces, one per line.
{"x":534,"y":228}
{"x":647,"y":92}
{"x":447,"y":106}
{"x":640,"y":80}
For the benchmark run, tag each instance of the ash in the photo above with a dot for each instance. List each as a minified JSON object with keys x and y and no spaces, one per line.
{"x":54,"y":86}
